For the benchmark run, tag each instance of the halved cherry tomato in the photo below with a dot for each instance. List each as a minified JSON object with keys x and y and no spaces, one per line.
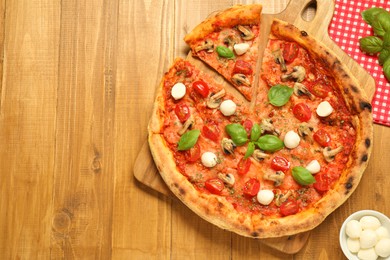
{"x":280,"y":163}
{"x":302,"y":112}
{"x":243,"y":166}
{"x":242,"y":67}
{"x":289,"y":207}
{"x":182,"y":111}
{"x":248,"y":126}
{"x":323,"y":182}
{"x":320,"y":90}
{"x":211,"y":131}
{"x":251,"y":187}
{"x":193,"y":154}
{"x":201,"y":88}
{"x":290,"y":51}
{"x":322,"y":137}
{"x":214,"y":185}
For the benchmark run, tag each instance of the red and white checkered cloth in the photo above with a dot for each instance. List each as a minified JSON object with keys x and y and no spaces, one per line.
{"x":346,"y":28}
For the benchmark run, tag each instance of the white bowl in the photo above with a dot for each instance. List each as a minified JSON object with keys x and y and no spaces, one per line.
{"x":385,"y":221}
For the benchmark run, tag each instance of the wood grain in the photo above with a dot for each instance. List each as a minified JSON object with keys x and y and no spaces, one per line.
{"x":77,"y":78}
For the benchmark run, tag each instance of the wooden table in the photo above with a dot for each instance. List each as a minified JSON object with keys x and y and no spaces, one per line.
{"x":75,"y":80}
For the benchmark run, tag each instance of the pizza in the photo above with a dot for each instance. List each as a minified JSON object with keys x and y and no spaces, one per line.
{"x":272,"y":167}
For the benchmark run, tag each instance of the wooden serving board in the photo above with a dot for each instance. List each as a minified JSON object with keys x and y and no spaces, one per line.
{"x":320,"y":16}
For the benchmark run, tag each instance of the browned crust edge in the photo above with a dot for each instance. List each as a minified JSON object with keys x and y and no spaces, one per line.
{"x":238,"y":14}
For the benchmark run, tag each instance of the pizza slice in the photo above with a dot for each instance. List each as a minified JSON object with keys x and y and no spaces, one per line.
{"x":228,"y":42}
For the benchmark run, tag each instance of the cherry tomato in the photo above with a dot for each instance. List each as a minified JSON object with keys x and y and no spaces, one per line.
{"x":182,"y":111}
{"x":243,"y":166}
{"x":251,"y":187}
{"x":323,"y":182}
{"x":302,"y":112}
{"x":290,"y":51}
{"x":214,"y":185}
{"x":193,"y":154}
{"x":320,"y":90}
{"x":289,"y":207}
{"x":201,"y":88}
{"x":211,"y":131}
{"x":280,"y":163}
{"x":242,"y":67}
{"x":322,"y":137}
{"x":248,"y":126}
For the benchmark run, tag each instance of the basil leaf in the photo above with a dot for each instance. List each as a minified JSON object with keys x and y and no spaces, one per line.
{"x":381,"y":23}
{"x":386,"y":69}
{"x":237,"y":133}
{"x":270,"y":143}
{"x":279,"y":95}
{"x":383,"y":56}
{"x":371,"y":44}
{"x":255,"y":132}
{"x":188,"y":140}
{"x":225,"y":52}
{"x":250,"y":150}
{"x":302,"y":175}
{"x":370,"y":14}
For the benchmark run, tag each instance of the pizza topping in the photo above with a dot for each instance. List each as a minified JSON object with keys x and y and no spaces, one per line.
{"x":289,"y":207}
{"x":225,"y":52}
{"x":279,"y":59}
{"x":302,"y":175}
{"x":243,"y":166}
{"x":329,"y":154}
{"x":305,"y":131}
{"x":324,"y":109}
{"x":270,"y":143}
{"x":193,"y":154}
{"x":228,"y":107}
{"x":209,"y":159}
{"x":214,"y":185}
{"x":290,"y":51}
{"x":178,"y":91}
{"x":302,"y":112}
{"x":298,"y":74}
{"x":188,"y":140}
{"x":313,"y":167}
{"x":188,"y":124}
{"x":251,"y":187}
{"x":280,"y":163}
{"x":201,"y":88}
{"x":291,"y":139}
{"x":276,"y":177}
{"x":231,"y":40}
{"x":241,"y":79}
{"x":279,"y":95}
{"x":265,"y":197}
{"x":214,"y":100}
{"x":259,"y":155}
{"x":182,"y":112}
{"x":211,"y":131}
{"x":228,"y":179}
{"x":266,"y":126}
{"x":207,"y":45}
{"x":301,"y":90}
{"x":242,"y":67}
{"x":241,"y":48}
{"x":248,"y":124}
{"x":322,"y":137}
{"x":280,"y":198}
{"x":228,"y":146}
{"x":238,"y":133}
{"x":246,"y":32}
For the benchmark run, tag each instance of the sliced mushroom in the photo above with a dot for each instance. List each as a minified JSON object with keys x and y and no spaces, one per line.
{"x":267,"y":126}
{"x":305,"y":131}
{"x":230,"y":40}
{"x":228,"y":146}
{"x":259,"y":155}
{"x":298,"y":74}
{"x":279,"y":59}
{"x":329,"y":154}
{"x":276,"y":177}
{"x":246,"y":32}
{"x":300,"y":90}
{"x":187,"y":124}
{"x":207,"y":45}
{"x":228,"y":179}
{"x":214,"y":100}
{"x":280,"y":198}
{"x":241,"y":79}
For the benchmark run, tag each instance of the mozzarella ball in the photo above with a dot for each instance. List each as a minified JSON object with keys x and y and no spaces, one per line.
{"x":382,"y":232}
{"x":313,"y":167}
{"x":228,"y":107}
{"x":382,"y":248}
{"x":353,"y":229}
{"x":370,"y":222}
{"x":178,"y":90}
{"x":324,"y":109}
{"x":265,"y":197}
{"x":367,"y":254}
{"x":368,"y":238}
{"x":353,"y":245}
{"x":291,"y":139}
{"x":209,"y":159}
{"x":241,"y":48}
